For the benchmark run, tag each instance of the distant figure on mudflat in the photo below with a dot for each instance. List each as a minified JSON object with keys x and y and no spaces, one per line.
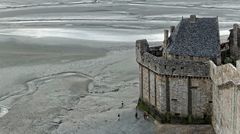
{"x":122,"y":104}
{"x":118,"y":117}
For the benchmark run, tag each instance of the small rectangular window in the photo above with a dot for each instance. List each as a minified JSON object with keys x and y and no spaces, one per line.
{"x":177,"y":56}
{"x":194,"y":87}
{"x":177,"y":114}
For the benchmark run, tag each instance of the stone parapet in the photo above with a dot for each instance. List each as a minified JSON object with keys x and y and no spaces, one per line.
{"x":173,"y":67}
{"x":226,"y":98}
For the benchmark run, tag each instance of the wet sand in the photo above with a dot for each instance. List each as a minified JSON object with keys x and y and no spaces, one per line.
{"x":17,"y":50}
{"x":66,"y":65}
{"x":62,"y":97}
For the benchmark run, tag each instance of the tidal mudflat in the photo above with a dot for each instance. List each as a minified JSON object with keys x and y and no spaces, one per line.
{"x":66,"y":65}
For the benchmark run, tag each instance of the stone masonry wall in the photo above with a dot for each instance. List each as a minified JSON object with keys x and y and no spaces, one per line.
{"x":152,"y":88}
{"x":145,"y":84}
{"x":201,"y":97}
{"x":140,"y":82}
{"x":171,"y":94}
{"x":179,"y":96}
{"x":226,"y":98}
{"x":181,"y":88}
{"x":161,"y":93}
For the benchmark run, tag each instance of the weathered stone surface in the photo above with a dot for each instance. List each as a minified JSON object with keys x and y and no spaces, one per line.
{"x":140,"y":82}
{"x":145,"y":85}
{"x":179,"y":96}
{"x":226,"y":101}
{"x":201,"y":97}
{"x":152,"y":88}
{"x":178,"y":89}
{"x":161,"y":93}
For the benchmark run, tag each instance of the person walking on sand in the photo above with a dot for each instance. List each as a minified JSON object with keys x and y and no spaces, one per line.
{"x":136,"y":115}
{"x":144,"y":115}
{"x":118,"y":117}
{"x":122,"y":104}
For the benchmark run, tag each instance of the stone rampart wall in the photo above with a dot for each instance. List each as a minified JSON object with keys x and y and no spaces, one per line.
{"x":226,"y":98}
{"x":162,"y":66}
{"x":177,"y":87}
{"x":180,"y":96}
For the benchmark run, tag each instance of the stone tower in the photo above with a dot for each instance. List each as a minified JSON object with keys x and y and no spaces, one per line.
{"x":183,"y":81}
{"x":174,"y":78}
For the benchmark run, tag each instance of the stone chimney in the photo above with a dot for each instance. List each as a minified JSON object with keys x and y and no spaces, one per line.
{"x":193,"y":18}
{"x":235,"y":26}
{"x":165,"y":42}
{"x":234,"y":47}
{"x":172,"y":29}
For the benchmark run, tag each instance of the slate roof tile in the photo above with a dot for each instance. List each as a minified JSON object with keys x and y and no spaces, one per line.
{"x":199,"y":38}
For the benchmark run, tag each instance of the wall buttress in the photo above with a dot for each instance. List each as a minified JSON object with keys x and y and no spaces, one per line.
{"x":155,"y":89}
{"x":167,"y":94}
{"x":189,"y":97}
{"x":149,"y":87}
{"x":141,"y":81}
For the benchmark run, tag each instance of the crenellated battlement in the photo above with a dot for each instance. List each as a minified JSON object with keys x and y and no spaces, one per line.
{"x":172,"y":67}
{"x":226,"y":98}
